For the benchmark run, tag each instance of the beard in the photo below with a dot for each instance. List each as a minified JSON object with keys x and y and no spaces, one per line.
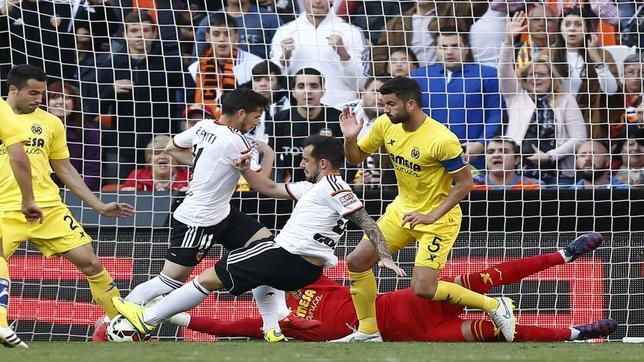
{"x":591,"y":175}
{"x":398,"y":119}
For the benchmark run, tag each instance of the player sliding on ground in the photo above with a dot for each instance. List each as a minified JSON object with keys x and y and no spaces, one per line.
{"x":206,"y":217}
{"x":292,"y":259}
{"x":404,"y":316}
{"x":427,"y":158}
{"x":59,"y":234}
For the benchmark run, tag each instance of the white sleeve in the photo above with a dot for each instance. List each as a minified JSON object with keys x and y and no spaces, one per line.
{"x":297,"y":189}
{"x":344,"y":201}
{"x":184,"y":139}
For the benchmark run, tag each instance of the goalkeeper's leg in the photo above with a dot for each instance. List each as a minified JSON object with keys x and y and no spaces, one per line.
{"x":485,"y":331}
{"x":513,"y":271}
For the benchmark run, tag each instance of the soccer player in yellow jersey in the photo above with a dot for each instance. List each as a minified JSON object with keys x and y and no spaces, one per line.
{"x":427,"y":158}
{"x":59,"y":234}
{"x":12,"y":139}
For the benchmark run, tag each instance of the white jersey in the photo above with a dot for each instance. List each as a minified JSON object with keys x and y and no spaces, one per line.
{"x":318,"y":219}
{"x":214,"y":176}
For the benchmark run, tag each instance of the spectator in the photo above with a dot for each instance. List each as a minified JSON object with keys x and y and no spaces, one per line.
{"x":503,"y":163}
{"x":402,"y":62}
{"x":409,"y":31}
{"x":139,"y":89}
{"x":633,"y":91}
{"x":545,"y":121}
{"x":83,"y":134}
{"x":222,"y":67}
{"x":590,"y":72}
{"x":543,"y":26}
{"x":631,"y":18}
{"x":99,"y":13}
{"x":82,"y":71}
{"x":593,"y":171}
{"x":270,"y":83}
{"x":195,"y":113}
{"x":160,"y":172}
{"x":308,"y":116}
{"x":462,"y":95}
{"x":256,"y":26}
{"x":632,"y":170}
{"x":321,"y":40}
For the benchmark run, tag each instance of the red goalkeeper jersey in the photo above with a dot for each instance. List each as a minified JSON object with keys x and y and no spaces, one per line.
{"x":402,"y":315}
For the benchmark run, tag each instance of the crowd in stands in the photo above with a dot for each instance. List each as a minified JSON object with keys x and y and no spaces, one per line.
{"x":541,"y":93}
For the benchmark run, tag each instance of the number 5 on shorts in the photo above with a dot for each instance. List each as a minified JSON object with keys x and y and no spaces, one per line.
{"x":435,"y":246}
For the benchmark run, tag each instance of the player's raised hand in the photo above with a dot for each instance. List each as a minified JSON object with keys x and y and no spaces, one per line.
{"x":242,"y":162}
{"x":416,"y":218}
{"x":389,"y":264}
{"x":32,"y":213}
{"x":349,"y":124}
{"x":116,"y":209}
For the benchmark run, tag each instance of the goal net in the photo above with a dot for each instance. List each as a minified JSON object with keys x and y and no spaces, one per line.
{"x":126,"y":75}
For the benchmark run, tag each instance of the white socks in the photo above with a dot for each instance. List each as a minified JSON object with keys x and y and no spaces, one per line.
{"x":185,"y":298}
{"x":159,"y":285}
{"x":267,"y":302}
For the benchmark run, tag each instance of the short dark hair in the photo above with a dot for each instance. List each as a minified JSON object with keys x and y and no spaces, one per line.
{"x":243,"y":98}
{"x":307,"y":71}
{"x":326,"y":147}
{"x":452,"y":30}
{"x":223,"y":19}
{"x":370,"y":80}
{"x":403,"y":88}
{"x":515,"y":146}
{"x":410,"y":53}
{"x":138,"y":17}
{"x":21,"y":74}
{"x":265,"y":68}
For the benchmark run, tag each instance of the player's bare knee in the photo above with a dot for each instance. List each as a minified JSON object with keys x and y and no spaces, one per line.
{"x":91,"y":266}
{"x":424,"y":289}
{"x":210,"y":280}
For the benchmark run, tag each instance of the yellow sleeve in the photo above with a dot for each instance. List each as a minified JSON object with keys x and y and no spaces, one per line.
{"x":449,"y":152}
{"x":10,"y":132}
{"x":375,"y":138}
{"x":58,"y":150}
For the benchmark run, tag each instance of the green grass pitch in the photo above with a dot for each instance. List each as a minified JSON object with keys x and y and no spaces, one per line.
{"x":308,"y":352}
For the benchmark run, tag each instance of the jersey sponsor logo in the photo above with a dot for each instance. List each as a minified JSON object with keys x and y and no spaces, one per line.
{"x":415,"y":153}
{"x":308,"y":302}
{"x":36,"y":129}
{"x":35,"y":142}
{"x":348,"y":199}
{"x":404,"y":165}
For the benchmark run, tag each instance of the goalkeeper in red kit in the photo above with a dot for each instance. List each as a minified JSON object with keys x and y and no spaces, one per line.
{"x":404,"y":316}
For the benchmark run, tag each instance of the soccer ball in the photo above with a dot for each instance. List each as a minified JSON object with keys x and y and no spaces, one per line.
{"x":121,"y":330}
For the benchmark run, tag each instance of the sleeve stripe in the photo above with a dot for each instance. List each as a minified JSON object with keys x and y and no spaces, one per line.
{"x":339,"y":191}
{"x":177,"y":146}
{"x":352,"y":211}
{"x":333,"y":183}
{"x":454,"y":164}
{"x":289,"y":192}
{"x":246,"y":151}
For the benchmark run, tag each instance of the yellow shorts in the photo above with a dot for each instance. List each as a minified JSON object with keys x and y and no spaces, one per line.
{"x":59,"y":233}
{"x":434,"y":241}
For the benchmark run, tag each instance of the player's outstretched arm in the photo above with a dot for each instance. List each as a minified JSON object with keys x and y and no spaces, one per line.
{"x":181,"y":155}
{"x":366,"y":223}
{"x":463,"y":184}
{"x":268,"y":158}
{"x":22,"y":172}
{"x":259,"y":182}
{"x":70,"y":177}
{"x":351,"y":127}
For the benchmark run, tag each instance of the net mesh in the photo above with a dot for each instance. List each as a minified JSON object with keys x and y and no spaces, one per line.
{"x":119,"y":83}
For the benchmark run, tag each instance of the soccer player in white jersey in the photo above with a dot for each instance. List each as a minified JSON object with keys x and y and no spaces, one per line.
{"x":293,"y":258}
{"x":206,"y":217}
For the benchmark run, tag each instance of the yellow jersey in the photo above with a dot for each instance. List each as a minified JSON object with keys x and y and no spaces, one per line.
{"x":10,"y":132}
{"x":46,"y":141}
{"x":422,"y":159}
